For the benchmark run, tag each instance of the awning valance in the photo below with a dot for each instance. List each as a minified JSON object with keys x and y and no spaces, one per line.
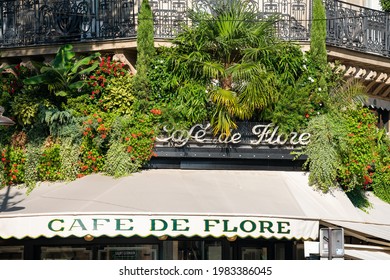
{"x":379,"y":103}
{"x":157,"y":225}
{"x":267,"y":204}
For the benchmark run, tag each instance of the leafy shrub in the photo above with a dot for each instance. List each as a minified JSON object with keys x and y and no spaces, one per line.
{"x":119,"y":97}
{"x":13,"y":160}
{"x":357,"y":160}
{"x":49,"y":167}
{"x":132,"y":143}
{"x":93,"y":146}
{"x":25,"y":109}
{"x":101,"y":76}
{"x":91,"y":161}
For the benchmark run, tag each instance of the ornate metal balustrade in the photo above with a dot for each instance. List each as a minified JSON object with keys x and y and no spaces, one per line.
{"x":36,"y":22}
{"x":39,"y":22}
{"x":42,"y":22}
{"x":357,"y":28}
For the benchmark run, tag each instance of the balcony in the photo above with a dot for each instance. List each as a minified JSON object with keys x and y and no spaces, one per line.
{"x":25,"y":23}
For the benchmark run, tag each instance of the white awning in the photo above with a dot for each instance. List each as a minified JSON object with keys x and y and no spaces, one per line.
{"x":374,"y":223}
{"x":364,"y":229}
{"x":268,"y":204}
{"x":362,"y":252}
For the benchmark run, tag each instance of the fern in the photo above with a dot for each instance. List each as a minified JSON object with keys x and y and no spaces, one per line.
{"x":323,"y":155}
{"x":118,"y":162}
{"x":57,"y":120}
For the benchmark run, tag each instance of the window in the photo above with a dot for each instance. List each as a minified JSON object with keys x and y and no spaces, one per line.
{"x":11,"y":253}
{"x":192,"y":250}
{"x":65,"y":253}
{"x":129,"y":252}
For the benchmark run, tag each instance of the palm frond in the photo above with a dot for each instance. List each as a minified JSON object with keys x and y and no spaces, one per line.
{"x":225,"y":98}
{"x":349,"y":95}
{"x":222,"y":122}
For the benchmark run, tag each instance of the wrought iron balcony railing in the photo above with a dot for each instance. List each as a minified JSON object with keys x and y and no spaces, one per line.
{"x":42,"y":22}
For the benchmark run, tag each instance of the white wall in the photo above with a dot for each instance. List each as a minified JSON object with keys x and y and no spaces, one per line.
{"x":373,"y":4}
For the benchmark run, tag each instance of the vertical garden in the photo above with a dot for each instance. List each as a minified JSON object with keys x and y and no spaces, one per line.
{"x":81,"y":115}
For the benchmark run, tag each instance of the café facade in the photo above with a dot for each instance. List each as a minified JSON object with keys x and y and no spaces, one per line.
{"x":241,"y":196}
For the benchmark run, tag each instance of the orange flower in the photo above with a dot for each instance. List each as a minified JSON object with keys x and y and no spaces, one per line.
{"x":155,"y":111}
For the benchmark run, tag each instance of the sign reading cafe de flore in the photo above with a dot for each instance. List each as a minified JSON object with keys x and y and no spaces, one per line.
{"x":159,"y":225}
{"x":253,"y":134}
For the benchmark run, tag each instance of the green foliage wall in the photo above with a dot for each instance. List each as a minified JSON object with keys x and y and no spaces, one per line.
{"x":223,"y":69}
{"x":75,"y":137}
{"x":318,"y":33}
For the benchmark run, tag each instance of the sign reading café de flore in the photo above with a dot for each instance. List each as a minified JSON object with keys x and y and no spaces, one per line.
{"x":158,"y":225}
{"x":254,"y":135}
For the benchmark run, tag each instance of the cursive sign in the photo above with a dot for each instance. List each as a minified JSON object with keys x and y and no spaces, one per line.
{"x":263,"y":134}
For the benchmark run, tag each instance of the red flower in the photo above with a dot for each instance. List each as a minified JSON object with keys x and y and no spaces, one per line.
{"x":367,"y":180}
{"x":155,"y":111}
